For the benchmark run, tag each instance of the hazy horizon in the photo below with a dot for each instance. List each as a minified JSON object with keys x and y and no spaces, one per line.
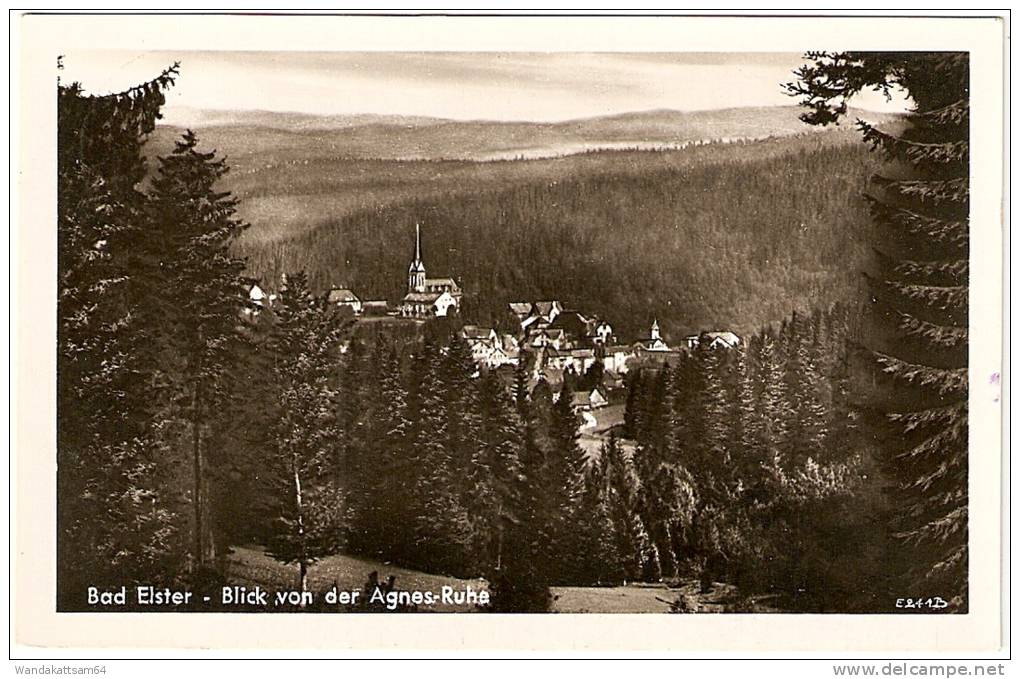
{"x":190,"y":114}
{"x":474,"y":86}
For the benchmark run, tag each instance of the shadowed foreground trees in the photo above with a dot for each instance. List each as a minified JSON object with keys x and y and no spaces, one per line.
{"x":917,"y":335}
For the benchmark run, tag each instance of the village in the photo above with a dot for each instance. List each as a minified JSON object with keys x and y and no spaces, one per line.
{"x":553,"y":342}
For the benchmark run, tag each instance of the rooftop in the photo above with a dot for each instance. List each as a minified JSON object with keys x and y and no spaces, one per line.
{"x":337,"y":295}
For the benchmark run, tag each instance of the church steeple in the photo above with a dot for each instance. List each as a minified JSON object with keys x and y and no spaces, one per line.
{"x":416,"y":271}
{"x":655,"y":330}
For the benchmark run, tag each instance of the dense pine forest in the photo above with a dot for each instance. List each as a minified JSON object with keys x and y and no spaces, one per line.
{"x":740,"y":473}
{"x":728,"y":239}
{"x":821,"y":464}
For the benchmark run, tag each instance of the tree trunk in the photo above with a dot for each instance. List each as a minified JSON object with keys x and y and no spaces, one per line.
{"x":303,"y":561}
{"x":196,"y":442}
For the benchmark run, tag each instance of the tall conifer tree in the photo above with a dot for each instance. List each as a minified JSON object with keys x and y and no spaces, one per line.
{"x":116,"y":518}
{"x":918,"y":324}
{"x":194,"y":226}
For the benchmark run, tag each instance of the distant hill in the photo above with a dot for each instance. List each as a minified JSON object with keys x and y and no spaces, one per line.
{"x":273,"y":137}
{"x":729,"y":236}
{"x":295,"y":170}
{"x":734,"y":232}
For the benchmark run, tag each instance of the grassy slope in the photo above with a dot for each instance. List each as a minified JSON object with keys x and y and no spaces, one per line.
{"x":250,"y":566}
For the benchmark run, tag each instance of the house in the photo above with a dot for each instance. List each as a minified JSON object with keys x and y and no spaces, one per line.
{"x":260,"y":297}
{"x":581,"y":330}
{"x":548,"y":358}
{"x":520,"y":309}
{"x":587,"y":400}
{"x":716,"y":340}
{"x":581,"y":360}
{"x":654,"y":341}
{"x":548,"y":337}
{"x":547,"y":310}
{"x":481,"y":341}
{"x":476,"y":333}
{"x":488,"y":349}
{"x":498,"y":357}
{"x":538,"y":314}
{"x":510,"y":348}
{"x":509,"y":343}
{"x":615,"y":358}
{"x":602,"y":334}
{"x":344,"y":297}
{"x":427,"y":297}
{"x":612,"y":380}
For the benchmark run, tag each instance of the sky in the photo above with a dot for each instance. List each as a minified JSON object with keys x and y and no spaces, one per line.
{"x":458,"y":85}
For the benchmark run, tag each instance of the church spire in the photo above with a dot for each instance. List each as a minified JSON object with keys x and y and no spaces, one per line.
{"x":417,"y":242}
{"x":416,"y":272}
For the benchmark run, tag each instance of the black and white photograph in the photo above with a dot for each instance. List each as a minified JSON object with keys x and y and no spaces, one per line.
{"x":394,"y":332}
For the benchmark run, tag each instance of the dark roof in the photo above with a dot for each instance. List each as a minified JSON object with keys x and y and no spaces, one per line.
{"x":572,"y":322}
{"x":433,"y":282}
{"x":476,"y":332}
{"x":583,"y":398}
{"x":422,"y":296}
{"x":545,"y":307}
{"x":338,"y":295}
{"x":726,"y":336}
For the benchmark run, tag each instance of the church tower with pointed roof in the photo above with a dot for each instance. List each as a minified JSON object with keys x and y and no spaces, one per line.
{"x":427,"y":297}
{"x":416,"y":271}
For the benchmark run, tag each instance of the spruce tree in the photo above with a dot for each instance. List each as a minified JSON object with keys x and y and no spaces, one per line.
{"x":918,"y":319}
{"x":194,"y":226}
{"x":389,"y":461}
{"x":443,"y":524}
{"x":633,"y":548}
{"x":808,"y":426}
{"x":299,"y":499}
{"x":117,"y":521}
{"x":562,"y":481}
{"x":521,"y":582}
{"x":497,"y":465}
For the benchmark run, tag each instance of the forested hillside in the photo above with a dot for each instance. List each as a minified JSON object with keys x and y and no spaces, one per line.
{"x":733,"y":236}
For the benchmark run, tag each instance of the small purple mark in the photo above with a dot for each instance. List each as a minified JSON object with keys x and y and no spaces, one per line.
{"x":994,"y":379}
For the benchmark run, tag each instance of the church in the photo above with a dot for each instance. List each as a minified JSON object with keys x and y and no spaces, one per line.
{"x":427,"y":297}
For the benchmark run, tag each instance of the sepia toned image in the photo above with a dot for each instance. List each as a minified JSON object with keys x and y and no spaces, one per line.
{"x":607,"y":333}
{"x":576,"y":332}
